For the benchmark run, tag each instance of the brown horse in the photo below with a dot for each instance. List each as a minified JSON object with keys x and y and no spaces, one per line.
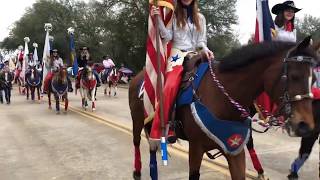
{"x":59,"y":88}
{"x":283,"y":70}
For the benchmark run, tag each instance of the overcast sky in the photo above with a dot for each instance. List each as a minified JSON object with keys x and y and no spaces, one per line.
{"x":12,"y":10}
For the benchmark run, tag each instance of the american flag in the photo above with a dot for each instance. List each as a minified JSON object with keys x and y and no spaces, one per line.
{"x":264,"y":24}
{"x":150,"y":97}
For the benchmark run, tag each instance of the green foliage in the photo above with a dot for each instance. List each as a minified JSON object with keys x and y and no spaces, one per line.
{"x":116,"y":28}
{"x":309,"y":25}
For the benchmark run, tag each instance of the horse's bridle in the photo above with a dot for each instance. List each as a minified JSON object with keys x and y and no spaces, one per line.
{"x":287,"y":99}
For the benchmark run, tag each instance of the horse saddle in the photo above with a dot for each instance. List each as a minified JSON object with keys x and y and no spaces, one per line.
{"x":191,"y":63}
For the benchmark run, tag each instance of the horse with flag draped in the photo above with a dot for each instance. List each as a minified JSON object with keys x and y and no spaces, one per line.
{"x":257,"y":68}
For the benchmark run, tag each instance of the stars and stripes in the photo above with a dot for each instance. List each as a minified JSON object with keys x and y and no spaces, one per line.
{"x":150,"y":84}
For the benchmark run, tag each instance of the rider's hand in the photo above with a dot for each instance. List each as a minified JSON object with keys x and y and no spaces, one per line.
{"x":207,"y":54}
{"x":155,"y":11}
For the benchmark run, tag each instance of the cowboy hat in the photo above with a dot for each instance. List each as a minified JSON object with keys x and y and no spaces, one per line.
{"x":84,"y":48}
{"x":278,"y":8}
{"x":54,"y":50}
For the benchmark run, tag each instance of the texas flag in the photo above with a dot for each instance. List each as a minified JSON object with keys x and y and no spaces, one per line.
{"x":264,"y":24}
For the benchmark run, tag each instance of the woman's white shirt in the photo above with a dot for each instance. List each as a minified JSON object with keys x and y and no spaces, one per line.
{"x":286,"y":36}
{"x":187,"y":38}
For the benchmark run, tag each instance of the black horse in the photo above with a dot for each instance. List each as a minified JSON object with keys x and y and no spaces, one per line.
{"x":33,"y":82}
{"x":6,"y":78}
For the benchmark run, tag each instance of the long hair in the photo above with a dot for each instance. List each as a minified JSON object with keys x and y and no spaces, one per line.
{"x":181,"y":15}
{"x":280,"y":20}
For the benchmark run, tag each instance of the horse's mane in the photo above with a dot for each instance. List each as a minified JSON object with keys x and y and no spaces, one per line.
{"x":251,"y":53}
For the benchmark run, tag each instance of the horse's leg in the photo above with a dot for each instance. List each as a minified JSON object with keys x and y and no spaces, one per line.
{"x":93,"y":98}
{"x":105,"y":88}
{"x":115,"y":89}
{"x":27,"y":93}
{"x":49,"y":99}
{"x":66,"y":102}
{"x":138,"y":125}
{"x":38,"y":93}
{"x":304,"y":153}
{"x":153,"y":165}
{"x":32,"y":91}
{"x":7,"y":94}
{"x":195,"y":159}
{"x":109,"y":92}
{"x":57,"y":103}
{"x":95,"y":93}
{"x":237,"y":166}
{"x":1,"y":96}
{"x":254,"y":158}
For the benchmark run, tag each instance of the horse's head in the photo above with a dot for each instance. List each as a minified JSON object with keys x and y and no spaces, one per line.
{"x":88,"y":73}
{"x":292,"y":90}
{"x":61,"y":75}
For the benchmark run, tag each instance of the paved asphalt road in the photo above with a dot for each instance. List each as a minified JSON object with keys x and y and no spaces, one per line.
{"x":37,"y":144}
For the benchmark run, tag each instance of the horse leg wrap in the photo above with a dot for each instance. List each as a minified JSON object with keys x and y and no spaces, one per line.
{"x":298,"y":163}
{"x":194,"y":176}
{"x":255,"y":161}
{"x":137,"y":159}
{"x":153,"y":165}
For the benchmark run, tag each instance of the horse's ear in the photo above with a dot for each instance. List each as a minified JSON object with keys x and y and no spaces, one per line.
{"x":305,"y":43}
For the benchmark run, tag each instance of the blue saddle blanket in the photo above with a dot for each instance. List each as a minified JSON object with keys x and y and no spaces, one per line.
{"x":186,"y":96}
{"x":231,"y":136}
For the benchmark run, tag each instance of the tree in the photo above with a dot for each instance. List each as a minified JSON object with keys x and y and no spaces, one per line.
{"x":309,"y":25}
{"x":117,"y":28}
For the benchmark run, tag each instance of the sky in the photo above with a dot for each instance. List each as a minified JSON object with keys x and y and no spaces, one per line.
{"x":12,"y":10}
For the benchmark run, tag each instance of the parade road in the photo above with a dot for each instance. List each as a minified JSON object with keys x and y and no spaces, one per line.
{"x":38,"y":144}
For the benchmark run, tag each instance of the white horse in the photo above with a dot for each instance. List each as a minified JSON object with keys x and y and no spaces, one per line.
{"x":88,"y":85}
{"x":112,"y":82}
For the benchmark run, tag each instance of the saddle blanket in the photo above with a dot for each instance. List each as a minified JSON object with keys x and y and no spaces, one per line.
{"x":231,"y":136}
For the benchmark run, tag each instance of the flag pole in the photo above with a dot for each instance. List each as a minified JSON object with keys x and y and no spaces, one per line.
{"x":164,"y":153}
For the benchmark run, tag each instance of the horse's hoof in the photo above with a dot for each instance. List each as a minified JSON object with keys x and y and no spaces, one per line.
{"x":58,"y":112}
{"x":293,"y":176}
{"x":136,"y":175}
{"x":93,"y":109}
{"x":65,"y":112}
{"x":50,"y":107}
